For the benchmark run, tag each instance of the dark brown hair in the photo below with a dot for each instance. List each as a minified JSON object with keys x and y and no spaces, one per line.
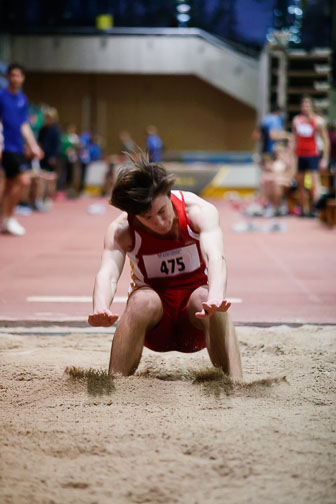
{"x":138,"y":183}
{"x":16,"y":66}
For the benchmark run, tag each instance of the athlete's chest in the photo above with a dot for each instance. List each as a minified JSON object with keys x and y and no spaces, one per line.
{"x":305,"y":127}
{"x":169,"y":258}
{"x":11,"y":105}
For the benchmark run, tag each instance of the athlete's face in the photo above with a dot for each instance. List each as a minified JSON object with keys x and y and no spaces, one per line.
{"x":306,"y":107}
{"x":15,"y":79}
{"x":160,"y":217}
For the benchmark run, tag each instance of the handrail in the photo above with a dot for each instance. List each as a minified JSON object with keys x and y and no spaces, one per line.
{"x":214,"y":40}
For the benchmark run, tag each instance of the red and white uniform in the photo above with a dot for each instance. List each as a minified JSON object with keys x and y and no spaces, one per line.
{"x":174,"y":269}
{"x":167,"y":264}
{"x":306,"y":132}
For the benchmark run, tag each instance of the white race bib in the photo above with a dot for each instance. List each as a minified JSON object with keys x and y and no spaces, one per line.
{"x":172,"y":262}
{"x":305,"y":130}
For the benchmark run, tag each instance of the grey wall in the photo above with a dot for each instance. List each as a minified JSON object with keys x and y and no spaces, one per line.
{"x":222,"y":67}
{"x":5,"y":48}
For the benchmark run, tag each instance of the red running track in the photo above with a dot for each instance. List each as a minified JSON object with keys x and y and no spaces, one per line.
{"x":280,"y":277}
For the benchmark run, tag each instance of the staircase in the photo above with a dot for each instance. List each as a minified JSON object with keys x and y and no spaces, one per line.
{"x":170,"y":51}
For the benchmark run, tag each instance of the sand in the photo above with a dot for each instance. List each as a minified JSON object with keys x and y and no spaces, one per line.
{"x":176,"y":432}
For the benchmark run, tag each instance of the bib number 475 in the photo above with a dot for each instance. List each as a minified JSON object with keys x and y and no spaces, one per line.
{"x":172,"y":265}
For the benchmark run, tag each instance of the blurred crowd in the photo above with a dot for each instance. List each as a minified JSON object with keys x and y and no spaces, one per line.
{"x":42,"y":162}
{"x":297,"y":164}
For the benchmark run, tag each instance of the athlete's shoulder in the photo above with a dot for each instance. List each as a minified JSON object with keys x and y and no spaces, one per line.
{"x":118,"y":234}
{"x":319,"y":120}
{"x":200,"y":212}
{"x":22,"y":98}
{"x":297,"y":118}
{"x":193,"y":199}
{"x":3,"y":94}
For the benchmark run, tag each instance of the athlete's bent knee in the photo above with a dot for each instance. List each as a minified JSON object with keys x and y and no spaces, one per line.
{"x":145,"y":304}
{"x":24,"y":181}
{"x":199,"y":296}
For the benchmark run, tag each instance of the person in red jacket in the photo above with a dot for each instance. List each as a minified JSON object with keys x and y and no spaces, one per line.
{"x":307,"y":126}
{"x":178,"y":272}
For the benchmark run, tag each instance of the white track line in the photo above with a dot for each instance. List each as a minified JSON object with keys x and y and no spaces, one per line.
{"x":88,"y":299}
{"x":69,"y":299}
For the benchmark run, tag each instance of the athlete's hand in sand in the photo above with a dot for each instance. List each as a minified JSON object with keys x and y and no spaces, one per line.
{"x":211,"y":307}
{"x":104,"y":318}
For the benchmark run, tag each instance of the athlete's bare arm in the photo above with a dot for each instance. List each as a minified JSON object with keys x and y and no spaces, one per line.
{"x":28,"y":135}
{"x":322,"y":129}
{"x":204,"y":219}
{"x":116,"y":243}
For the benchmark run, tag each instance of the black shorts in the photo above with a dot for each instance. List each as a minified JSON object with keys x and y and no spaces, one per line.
{"x":45,"y":165}
{"x":13,"y":164}
{"x":308,"y":163}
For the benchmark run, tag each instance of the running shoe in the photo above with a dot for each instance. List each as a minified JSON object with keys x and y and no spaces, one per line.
{"x":12,"y":227}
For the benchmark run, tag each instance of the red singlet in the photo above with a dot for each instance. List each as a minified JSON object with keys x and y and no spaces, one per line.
{"x":305,"y":129}
{"x":167,"y":264}
{"x":174,"y":269}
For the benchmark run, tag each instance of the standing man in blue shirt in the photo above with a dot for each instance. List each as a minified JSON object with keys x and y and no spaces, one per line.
{"x":16,"y":131}
{"x":270,"y":123}
{"x":153,"y":145}
{"x":270,"y":130}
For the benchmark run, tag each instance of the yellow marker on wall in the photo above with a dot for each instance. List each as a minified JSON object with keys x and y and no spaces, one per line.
{"x":104,"y":21}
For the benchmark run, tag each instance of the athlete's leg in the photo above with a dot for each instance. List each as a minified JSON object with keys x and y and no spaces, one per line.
{"x":316,"y":185}
{"x":220,"y":335}
{"x":144,"y":311}
{"x":301,"y":191}
{"x":13,"y":190}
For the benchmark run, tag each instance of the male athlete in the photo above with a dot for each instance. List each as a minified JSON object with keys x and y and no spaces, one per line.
{"x":178,"y":281}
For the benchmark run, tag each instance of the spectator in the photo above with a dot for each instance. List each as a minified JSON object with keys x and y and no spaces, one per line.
{"x":153,"y":145}
{"x":271,"y":126}
{"x":278,"y":174}
{"x":332,"y":140}
{"x":90,"y":151}
{"x":127,"y":142}
{"x":331,"y":189}
{"x":50,"y":141}
{"x":95,"y":150}
{"x":70,"y":147}
{"x":36,"y":118}
{"x":306,"y":127}
{"x":84,"y":157}
{"x":16,"y":129}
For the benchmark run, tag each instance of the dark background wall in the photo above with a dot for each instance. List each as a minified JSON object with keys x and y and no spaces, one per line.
{"x":243,"y":21}
{"x":189,"y":113}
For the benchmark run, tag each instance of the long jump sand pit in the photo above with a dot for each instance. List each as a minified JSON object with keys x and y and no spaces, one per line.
{"x":176,"y":432}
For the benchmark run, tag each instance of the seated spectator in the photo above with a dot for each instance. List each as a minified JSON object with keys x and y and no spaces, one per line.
{"x":278,"y":174}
